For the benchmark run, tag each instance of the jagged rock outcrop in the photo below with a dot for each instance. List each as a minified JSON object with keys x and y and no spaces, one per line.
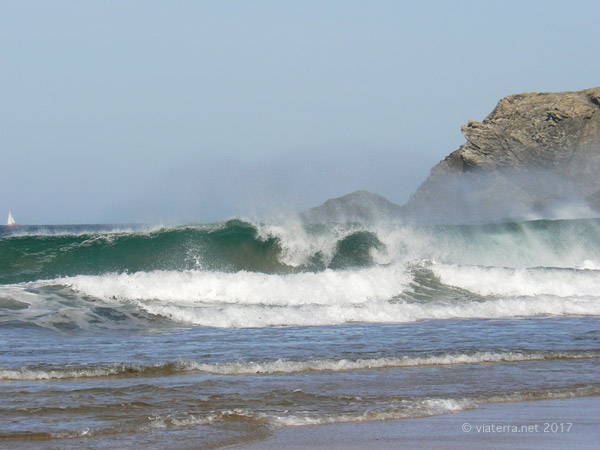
{"x":533,"y":154}
{"x":536,"y":155}
{"x":359,"y":206}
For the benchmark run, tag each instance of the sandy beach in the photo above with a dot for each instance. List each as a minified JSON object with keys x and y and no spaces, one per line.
{"x":565,"y":423}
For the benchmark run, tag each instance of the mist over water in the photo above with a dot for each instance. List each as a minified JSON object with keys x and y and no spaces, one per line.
{"x":262,"y":188}
{"x":508,"y":195}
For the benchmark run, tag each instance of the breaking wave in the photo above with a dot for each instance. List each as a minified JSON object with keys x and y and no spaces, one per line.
{"x":231,"y":246}
{"x":287,"y":366}
{"x":240,"y":274}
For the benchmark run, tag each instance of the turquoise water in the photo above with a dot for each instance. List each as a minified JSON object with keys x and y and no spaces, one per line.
{"x":211,"y":335}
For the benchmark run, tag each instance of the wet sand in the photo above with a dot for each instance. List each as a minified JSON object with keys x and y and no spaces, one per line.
{"x":565,"y":423}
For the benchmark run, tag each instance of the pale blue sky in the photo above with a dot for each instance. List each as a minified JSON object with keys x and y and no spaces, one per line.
{"x":145,"y":111}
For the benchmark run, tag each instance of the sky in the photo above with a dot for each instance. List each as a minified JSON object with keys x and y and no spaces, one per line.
{"x":198,"y":111}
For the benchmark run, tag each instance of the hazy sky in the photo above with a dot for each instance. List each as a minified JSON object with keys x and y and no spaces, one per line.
{"x":195,"y":111}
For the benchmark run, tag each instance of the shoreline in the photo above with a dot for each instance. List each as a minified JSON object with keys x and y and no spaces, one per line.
{"x":557,"y":423}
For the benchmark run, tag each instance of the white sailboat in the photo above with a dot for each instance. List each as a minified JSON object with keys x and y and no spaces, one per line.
{"x":11,"y":220}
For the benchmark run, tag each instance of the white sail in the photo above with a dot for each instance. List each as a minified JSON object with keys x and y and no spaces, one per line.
{"x":11,"y":219}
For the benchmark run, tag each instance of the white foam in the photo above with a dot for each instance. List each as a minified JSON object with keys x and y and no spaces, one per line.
{"x":406,"y":409}
{"x":107,"y":231}
{"x":519,"y":245}
{"x":186,"y":420}
{"x":373,"y":312}
{"x":520,"y":282}
{"x":26,"y":374}
{"x":298,"y":246}
{"x":590,"y":264}
{"x":334,"y":365}
{"x":249,"y":299}
{"x":391,"y":410}
{"x":247,"y":288}
{"x":287,"y":366}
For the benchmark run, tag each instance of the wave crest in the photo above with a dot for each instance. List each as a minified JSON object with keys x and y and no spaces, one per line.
{"x":288,"y":366}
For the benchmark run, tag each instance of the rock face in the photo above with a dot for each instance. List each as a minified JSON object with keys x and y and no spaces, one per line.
{"x":359,"y":206}
{"x":535,"y":153}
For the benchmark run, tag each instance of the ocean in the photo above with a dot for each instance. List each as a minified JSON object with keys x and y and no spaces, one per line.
{"x":215,"y":335}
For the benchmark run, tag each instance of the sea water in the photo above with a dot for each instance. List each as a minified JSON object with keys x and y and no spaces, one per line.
{"x":213,"y":335}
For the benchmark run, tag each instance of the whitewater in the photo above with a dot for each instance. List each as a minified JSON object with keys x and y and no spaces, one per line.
{"x":220,"y":333}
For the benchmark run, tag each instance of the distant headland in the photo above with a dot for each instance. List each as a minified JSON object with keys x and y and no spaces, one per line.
{"x":536,"y":155}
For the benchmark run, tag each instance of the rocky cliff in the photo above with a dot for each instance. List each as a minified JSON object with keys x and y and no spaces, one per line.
{"x":533,"y":155}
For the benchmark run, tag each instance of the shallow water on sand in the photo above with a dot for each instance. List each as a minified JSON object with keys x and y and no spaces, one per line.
{"x":218,"y":386}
